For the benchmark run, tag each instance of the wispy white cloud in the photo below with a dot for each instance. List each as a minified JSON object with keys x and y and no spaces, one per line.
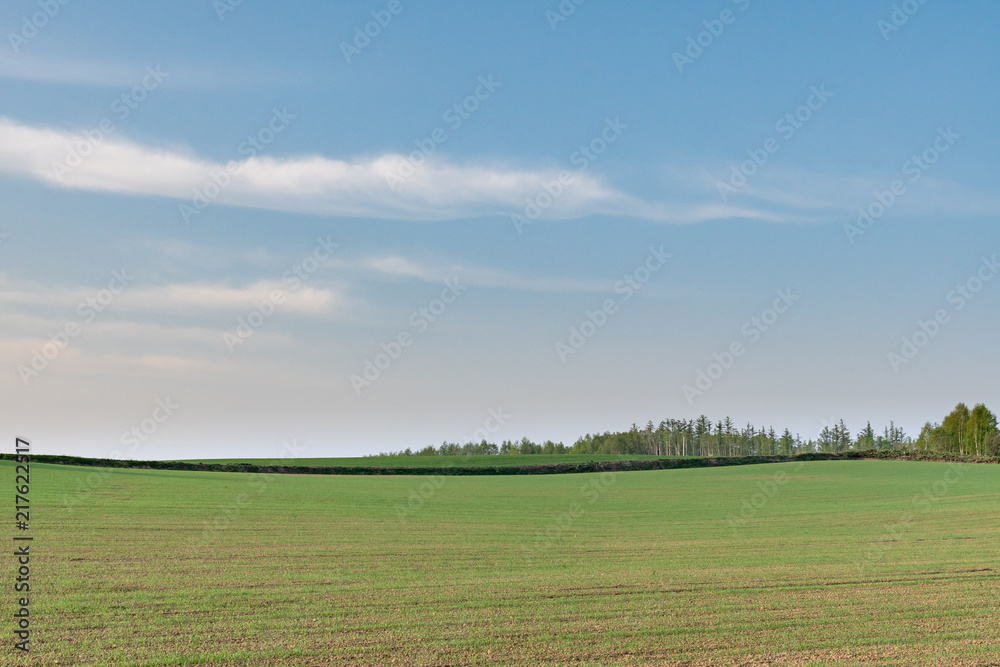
{"x":439,"y":190}
{"x":796,"y":193}
{"x":73,"y":71}
{"x":305,"y":300}
{"x":123,"y":341}
{"x":359,"y":187}
{"x":478,"y":276}
{"x":124,"y":74}
{"x":178,"y":298}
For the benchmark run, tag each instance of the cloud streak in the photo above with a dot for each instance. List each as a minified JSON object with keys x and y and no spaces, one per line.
{"x":439,"y":190}
{"x":319,"y":185}
{"x":178,"y":298}
{"x":311,"y":184}
{"x":478,"y":276}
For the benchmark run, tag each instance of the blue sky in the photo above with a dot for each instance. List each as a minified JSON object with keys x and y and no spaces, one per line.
{"x":237,"y":162}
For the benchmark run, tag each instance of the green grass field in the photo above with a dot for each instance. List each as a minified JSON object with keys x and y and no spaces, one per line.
{"x":829,"y":563}
{"x":441,"y":461}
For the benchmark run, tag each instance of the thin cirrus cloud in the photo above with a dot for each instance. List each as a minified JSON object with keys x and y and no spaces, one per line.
{"x":178,"y":298}
{"x":435,"y":190}
{"x":74,"y":71}
{"x":438,"y":190}
{"x":477,"y":276}
{"x":118,"y":73}
{"x":125,"y":336}
{"x":803,"y":195}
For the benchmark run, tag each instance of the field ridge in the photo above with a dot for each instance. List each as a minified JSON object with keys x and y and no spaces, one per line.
{"x":545,"y":469}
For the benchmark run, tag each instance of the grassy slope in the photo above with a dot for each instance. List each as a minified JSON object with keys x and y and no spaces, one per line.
{"x":439,"y":461}
{"x":322,"y":570}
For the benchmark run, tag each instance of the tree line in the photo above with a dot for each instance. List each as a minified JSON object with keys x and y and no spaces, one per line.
{"x":963,"y":431}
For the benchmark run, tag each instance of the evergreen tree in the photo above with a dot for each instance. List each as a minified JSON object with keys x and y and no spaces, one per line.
{"x":787,"y":446}
{"x":866,"y":438}
{"x":826,"y":439}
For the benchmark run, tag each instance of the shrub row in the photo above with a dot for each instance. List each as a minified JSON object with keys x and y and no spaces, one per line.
{"x":548,"y":469}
